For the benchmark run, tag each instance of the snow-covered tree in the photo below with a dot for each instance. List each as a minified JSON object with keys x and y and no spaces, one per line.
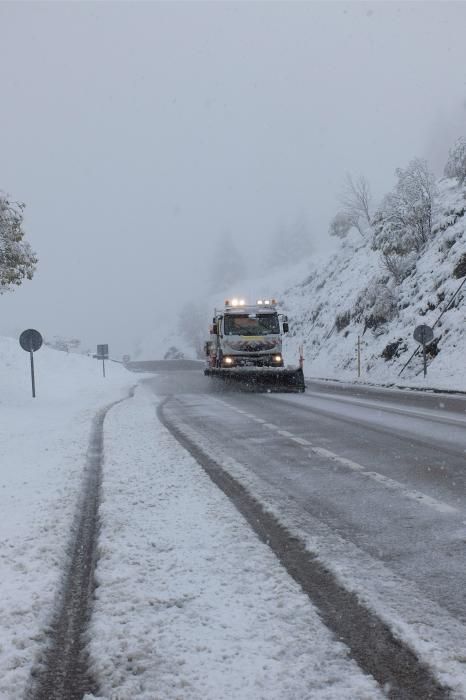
{"x":456,"y":163}
{"x":340,"y":225}
{"x":355,"y":201}
{"x":228,"y":265}
{"x":403,"y":222}
{"x":17,"y":260}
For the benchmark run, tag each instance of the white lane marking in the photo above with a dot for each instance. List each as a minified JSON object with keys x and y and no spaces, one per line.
{"x":430,"y":414}
{"x":392,"y":484}
{"x":417,"y":496}
{"x":336,"y":458}
{"x":301,"y":441}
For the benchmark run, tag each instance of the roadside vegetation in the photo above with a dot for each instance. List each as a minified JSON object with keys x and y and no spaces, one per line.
{"x":400,"y":230}
{"x":17,"y":259}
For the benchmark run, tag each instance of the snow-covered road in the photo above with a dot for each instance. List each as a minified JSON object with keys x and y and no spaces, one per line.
{"x":193,"y":598}
{"x":377,"y":492}
{"x":190,"y":604}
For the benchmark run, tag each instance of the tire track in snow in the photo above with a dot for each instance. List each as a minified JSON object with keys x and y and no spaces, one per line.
{"x":62,"y":672}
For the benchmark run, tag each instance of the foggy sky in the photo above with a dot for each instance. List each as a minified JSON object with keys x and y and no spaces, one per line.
{"x":138,"y":133}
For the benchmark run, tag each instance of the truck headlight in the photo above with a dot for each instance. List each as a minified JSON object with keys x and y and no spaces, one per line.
{"x":277,"y":358}
{"x":228,"y":360}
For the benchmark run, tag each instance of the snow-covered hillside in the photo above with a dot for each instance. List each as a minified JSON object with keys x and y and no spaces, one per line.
{"x":349,"y":295}
{"x":332,"y":299}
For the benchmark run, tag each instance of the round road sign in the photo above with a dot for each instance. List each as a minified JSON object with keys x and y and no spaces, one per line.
{"x":423,"y":334}
{"x":30,"y":340}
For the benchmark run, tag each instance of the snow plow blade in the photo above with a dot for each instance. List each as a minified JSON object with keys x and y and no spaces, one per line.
{"x":260,"y":378}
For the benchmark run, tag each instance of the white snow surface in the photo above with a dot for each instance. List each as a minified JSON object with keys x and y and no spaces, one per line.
{"x":43,"y":444}
{"x":190,"y":603}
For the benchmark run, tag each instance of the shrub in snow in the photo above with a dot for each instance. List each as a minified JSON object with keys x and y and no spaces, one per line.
{"x":394,"y":349}
{"x":460,"y":268}
{"x":432,"y":350}
{"x":447,"y":243}
{"x":342,"y":320}
{"x":398,"y":266}
{"x":17,"y":260}
{"x":340,"y":225}
{"x":403,"y":222}
{"x":375,"y":305}
{"x":456,"y":163}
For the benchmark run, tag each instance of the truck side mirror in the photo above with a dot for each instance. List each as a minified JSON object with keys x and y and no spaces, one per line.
{"x":285,"y":327}
{"x":214,"y":330}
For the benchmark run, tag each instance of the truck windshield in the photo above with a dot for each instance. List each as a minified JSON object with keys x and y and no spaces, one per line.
{"x":262,"y":324}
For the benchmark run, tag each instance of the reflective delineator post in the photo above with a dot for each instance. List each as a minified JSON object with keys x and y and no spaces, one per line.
{"x":359,"y":355}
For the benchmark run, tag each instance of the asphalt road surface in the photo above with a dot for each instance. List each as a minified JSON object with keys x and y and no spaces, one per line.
{"x":384,"y":468}
{"x":381,"y":470}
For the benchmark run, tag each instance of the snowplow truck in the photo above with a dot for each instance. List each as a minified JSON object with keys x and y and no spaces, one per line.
{"x":245,"y":348}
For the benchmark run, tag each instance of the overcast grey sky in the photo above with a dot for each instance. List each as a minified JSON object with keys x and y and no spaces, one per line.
{"x":137,"y":133}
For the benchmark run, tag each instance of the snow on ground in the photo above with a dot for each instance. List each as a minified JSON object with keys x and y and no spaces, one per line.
{"x":190,"y":603}
{"x":43,"y":443}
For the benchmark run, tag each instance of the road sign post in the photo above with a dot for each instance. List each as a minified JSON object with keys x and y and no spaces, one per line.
{"x":31,"y":340}
{"x":423,"y":335}
{"x":102,"y":354}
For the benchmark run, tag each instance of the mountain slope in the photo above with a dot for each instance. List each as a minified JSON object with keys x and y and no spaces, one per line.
{"x":333,"y":299}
